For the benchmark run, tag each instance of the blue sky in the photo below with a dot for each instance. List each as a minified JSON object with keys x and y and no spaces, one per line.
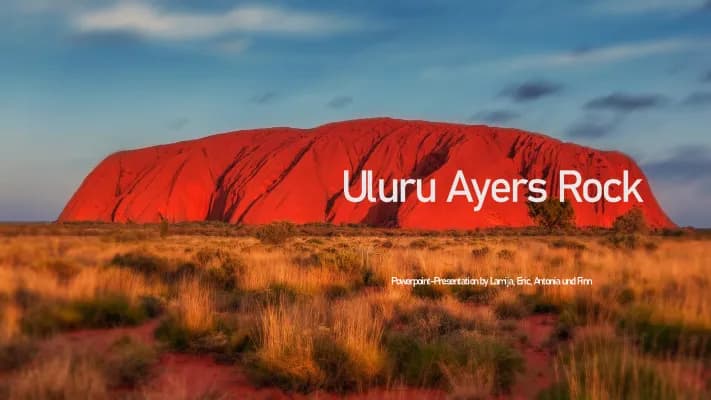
{"x":80,"y":79}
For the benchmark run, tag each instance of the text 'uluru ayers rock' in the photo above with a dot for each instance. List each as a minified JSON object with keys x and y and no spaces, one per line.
{"x":286,"y":174}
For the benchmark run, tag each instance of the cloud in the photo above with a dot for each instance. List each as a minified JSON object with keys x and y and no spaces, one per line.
{"x":682,"y":181}
{"x":494,"y":116}
{"x":687,"y":163}
{"x":607,"y":54}
{"x":594,"y":127}
{"x":697,"y":99}
{"x":531,"y":90}
{"x":630,"y":7}
{"x":707,"y":76}
{"x":340,"y":101}
{"x":264,"y":98}
{"x":580,"y":57}
{"x":623,"y":103}
{"x":148,"y":21}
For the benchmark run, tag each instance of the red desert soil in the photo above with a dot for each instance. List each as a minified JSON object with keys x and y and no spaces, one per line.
{"x":286,"y":174}
{"x":539,"y":373}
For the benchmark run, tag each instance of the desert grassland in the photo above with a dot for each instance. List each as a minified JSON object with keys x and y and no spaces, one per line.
{"x":318,"y":313}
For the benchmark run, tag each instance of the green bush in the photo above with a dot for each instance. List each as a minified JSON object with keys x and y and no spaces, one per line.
{"x":633,"y":221}
{"x":103,"y":312}
{"x":421,"y":363}
{"x":174,"y":334}
{"x":129,"y":362}
{"x":659,"y":337}
{"x":551,"y":213}
{"x":605,"y":368}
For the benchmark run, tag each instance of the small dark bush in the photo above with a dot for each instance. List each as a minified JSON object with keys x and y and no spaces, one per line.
{"x":428,"y":292}
{"x":551,"y":213}
{"x":143,"y":262}
{"x":506,"y":255}
{"x":418,"y":244}
{"x":16,"y":353}
{"x":665,"y":337}
{"x":275,"y":233}
{"x":631,"y":222}
{"x":480,"y":252}
{"x":370,"y":279}
{"x":63,"y":270}
{"x":129,"y":362}
{"x":509,"y":310}
{"x":420,"y":363}
{"x":623,"y":240}
{"x":567,"y":244}
{"x":103,"y":312}
{"x":174,"y":334}
{"x":474,"y":293}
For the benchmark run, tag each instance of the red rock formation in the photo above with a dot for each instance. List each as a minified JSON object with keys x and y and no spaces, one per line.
{"x":264,"y":175}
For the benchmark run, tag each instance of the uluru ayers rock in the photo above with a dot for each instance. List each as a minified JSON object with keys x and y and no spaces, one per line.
{"x":285,"y":174}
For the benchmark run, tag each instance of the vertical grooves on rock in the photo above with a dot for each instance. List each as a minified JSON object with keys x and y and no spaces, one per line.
{"x":279,"y":179}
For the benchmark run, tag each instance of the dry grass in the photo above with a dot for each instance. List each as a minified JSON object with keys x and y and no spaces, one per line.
{"x":64,"y":376}
{"x":194,"y":306}
{"x":320,"y":312}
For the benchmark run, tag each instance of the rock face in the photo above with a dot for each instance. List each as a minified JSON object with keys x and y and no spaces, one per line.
{"x":285,"y":174}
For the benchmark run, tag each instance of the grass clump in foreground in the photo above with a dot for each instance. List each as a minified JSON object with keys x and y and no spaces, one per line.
{"x":63,"y":377}
{"x":128,"y":362}
{"x":435,"y":363}
{"x":306,"y":346}
{"x":607,"y":368}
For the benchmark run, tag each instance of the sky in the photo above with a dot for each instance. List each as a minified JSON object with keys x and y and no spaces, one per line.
{"x":80,"y":79}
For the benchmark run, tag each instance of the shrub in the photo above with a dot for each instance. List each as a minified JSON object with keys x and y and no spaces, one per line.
{"x":623,"y":240}
{"x":506,"y":255}
{"x":551,"y":213}
{"x":429,"y":321}
{"x":275,"y":233}
{"x":174,"y":334}
{"x":631,"y":222}
{"x":480,"y":252}
{"x":63,"y":270}
{"x":142,"y":262}
{"x":474,"y":293}
{"x":661,"y":337}
{"x":605,"y":368}
{"x":567,"y":244}
{"x":418,"y":244}
{"x":428,"y":292}
{"x":509,"y":309}
{"x":129,"y":362}
{"x":421,"y":363}
{"x":164,"y":229}
{"x":103,"y":312}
